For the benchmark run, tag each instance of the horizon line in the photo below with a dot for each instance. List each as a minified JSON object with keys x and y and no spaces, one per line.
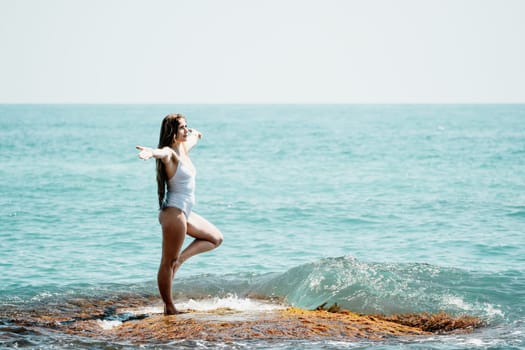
{"x":263,"y":103}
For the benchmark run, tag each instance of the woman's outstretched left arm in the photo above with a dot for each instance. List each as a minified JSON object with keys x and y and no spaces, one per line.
{"x":163,"y":154}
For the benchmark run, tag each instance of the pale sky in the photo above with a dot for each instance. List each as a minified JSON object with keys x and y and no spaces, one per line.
{"x":267,"y":51}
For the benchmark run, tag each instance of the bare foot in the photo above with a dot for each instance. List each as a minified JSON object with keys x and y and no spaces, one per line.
{"x":170,"y":310}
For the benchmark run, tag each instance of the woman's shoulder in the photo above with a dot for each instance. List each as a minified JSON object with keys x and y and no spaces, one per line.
{"x":170,"y":154}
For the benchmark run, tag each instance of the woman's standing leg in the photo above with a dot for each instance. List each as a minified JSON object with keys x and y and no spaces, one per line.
{"x":174,"y":228}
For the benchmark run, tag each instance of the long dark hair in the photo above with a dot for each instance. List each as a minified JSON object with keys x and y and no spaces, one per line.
{"x":168,"y":129}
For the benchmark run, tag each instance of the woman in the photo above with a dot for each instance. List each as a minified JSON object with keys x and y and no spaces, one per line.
{"x":176,"y":172}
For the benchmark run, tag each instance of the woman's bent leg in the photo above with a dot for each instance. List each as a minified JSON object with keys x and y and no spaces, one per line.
{"x":174,"y":228}
{"x":207,"y":237}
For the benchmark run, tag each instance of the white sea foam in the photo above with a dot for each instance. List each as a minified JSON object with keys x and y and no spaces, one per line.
{"x":107,"y":325}
{"x":489,"y":310}
{"x":475,"y":342}
{"x":232,"y":302}
{"x":457,"y":302}
{"x":147,"y":310}
{"x":42,"y":295}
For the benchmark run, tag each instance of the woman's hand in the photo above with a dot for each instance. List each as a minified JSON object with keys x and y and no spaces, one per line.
{"x":145,"y":152}
{"x":195,"y":133}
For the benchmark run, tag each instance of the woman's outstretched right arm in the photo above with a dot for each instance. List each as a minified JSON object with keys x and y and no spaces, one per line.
{"x":163,"y":154}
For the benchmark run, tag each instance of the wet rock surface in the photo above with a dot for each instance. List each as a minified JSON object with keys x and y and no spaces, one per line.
{"x":131,"y":319}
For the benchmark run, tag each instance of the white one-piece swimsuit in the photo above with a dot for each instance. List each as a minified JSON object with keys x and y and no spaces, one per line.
{"x":181,"y":190}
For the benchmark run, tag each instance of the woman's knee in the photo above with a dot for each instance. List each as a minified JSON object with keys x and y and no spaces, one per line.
{"x":214,"y":234}
{"x":218,"y":238}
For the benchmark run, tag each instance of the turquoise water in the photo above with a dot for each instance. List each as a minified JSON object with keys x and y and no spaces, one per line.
{"x":381,"y":208}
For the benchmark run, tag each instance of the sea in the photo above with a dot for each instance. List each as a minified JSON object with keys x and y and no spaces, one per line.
{"x":378,"y":208}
